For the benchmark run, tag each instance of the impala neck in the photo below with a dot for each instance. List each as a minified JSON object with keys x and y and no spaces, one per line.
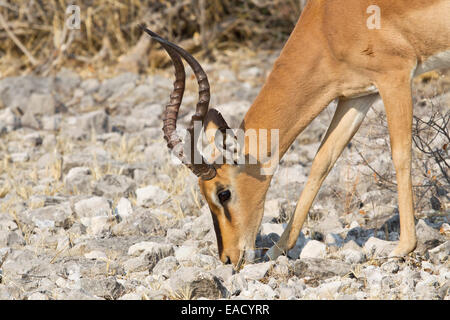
{"x":297,"y":90}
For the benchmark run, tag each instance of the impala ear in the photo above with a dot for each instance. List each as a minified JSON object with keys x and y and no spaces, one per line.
{"x":215,"y":121}
{"x":215,"y":128}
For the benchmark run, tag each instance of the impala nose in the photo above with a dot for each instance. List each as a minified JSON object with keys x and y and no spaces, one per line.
{"x":227,"y":260}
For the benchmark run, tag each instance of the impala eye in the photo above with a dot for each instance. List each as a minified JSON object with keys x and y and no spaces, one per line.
{"x":224,"y":196}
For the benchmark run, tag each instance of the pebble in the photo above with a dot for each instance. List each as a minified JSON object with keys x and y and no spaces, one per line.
{"x":353,"y":256}
{"x":97,"y":210}
{"x":314,"y":249}
{"x":192,"y":283}
{"x":378,"y":248}
{"x":256,"y":271}
{"x":20,"y":157}
{"x":158,"y":249}
{"x":151,"y":195}
{"x":390,"y":267}
{"x":124,"y":208}
{"x":96,"y":255}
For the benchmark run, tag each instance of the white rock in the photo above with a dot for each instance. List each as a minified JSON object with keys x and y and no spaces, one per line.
{"x":96,"y":255}
{"x":8,"y":120}
{"x":44,"y":224}
{"x":201,"y":225}
{"x":76,"y":173}
{"x":426,"y":232}
{"x":37,"y":296}
{"x":51,"y":216}
{"x":97,"y":225}
{"x":151,"y":195}
{"x":330,"y":289}
{"x":353,"y":256}
{"x":95,"y":214}
{"x":251,"y":72}
{"x":197,"y":282}
{"x":360,"y":295}
{"x":7,"y":224}
{"x":48,"y":160}
{"x":32,"y":139}
{"x":390,"y":267}
{"x":176,"y":236}
{"x":136,"y":264}
{"x":20,"y":157}
{"x":258,"y":291}
{"x":256,"y":271}
{"x":236,"y":283}
{"x":51,"y":123}
{"x":268,"y":228}
{"x":408,"y":278}
{"x":90,"y":85}
{"x":61,"y":282}
{"x":378,"y":247}
{"x":425,"y":289}
{"x":427,"y":266}
{"x":166,"y":267}
{"x":224,"y":272}
{"x":292,"y":174}
{"x":63,"y":242}
{"x":4,"y":252}
{"x":282,"y":267}
{"x":440,"y":253}
{"x":97,"y":121}
{"x":333,"y":239}
{"x":204,"y":261}
{"x":112,"y":186}
{"x":351,"y":245}
{"x":92,"y":207}
{"x":314,"y":249}
{"x":374,"y":277}
{"x":131,"y":296}
{"x":74,"y":273}
{"x":185,"y":252}
{"x":271,"y":210}
{"x":286,"y":292}
{"x":354,"y":224}
{"x":160,"y":249}
{"x":124,"y":208}
{"x":41,"y":104}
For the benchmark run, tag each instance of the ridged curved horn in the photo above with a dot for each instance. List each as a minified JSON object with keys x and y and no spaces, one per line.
{"x":203,"y":169}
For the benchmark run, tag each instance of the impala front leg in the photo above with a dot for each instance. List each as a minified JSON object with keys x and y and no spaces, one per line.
{"x":397,"y":98}
{"x":346,"y":121}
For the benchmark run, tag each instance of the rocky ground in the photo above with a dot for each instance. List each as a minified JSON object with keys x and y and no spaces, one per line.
{"x":92,"y":207}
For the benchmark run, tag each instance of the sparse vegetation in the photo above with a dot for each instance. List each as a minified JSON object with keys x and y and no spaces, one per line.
{"x":34,"y":35}
{"x":66,"y":232}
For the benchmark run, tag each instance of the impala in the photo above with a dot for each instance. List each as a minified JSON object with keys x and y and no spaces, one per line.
{"x":332,"y":53}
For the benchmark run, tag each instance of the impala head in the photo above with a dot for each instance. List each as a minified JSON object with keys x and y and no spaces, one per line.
{"x":236,"y":199}
{"x":235,"y":192}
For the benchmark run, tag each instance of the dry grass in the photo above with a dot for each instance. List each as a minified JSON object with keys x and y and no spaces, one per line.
{"x":34,"y":35}
{"x":184,"y":293}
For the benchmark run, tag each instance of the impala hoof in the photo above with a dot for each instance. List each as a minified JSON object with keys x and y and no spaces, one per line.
{"x":403,"y":249}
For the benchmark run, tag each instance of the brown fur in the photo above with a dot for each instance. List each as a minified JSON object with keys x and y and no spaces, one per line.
{"x":332,"y":54}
